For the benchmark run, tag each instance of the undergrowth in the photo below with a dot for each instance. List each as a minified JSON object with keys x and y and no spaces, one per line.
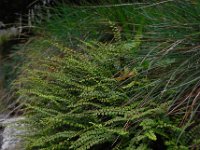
{"x":117,"y":77}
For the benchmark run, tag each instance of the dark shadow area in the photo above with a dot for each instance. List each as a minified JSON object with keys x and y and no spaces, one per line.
{"x":1,"y":136}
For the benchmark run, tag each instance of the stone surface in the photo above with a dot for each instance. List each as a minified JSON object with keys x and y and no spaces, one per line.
{"x":9,"y":134}
{"x":1,"y":137}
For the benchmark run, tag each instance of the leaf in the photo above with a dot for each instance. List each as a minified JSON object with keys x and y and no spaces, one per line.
{"x":126,"y":74}
{"x":150,"y":134}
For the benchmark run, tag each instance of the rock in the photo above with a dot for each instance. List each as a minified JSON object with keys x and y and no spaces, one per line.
{"x":1,"y":137}
{"x":10,"y":32}
{"x":9,"y":135}
{"x":2,"y":25}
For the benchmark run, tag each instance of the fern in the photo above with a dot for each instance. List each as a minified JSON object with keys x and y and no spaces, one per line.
{"x":61,"y":99}
{"x":114,"y":94}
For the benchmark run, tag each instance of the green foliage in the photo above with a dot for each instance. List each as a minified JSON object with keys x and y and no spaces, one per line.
{"x":78,"y":85}
{"x":75,"y":100}
{"x":113,"y":77}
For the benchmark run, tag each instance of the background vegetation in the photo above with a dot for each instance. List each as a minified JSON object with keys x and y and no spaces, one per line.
{"x":113,"y":76}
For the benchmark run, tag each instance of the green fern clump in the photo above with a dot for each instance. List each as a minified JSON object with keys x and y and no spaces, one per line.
{"x":84,"y":99}
{"x":83,"y":90}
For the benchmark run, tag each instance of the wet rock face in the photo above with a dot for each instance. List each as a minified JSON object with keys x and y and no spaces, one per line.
{"x":9,"y":134}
